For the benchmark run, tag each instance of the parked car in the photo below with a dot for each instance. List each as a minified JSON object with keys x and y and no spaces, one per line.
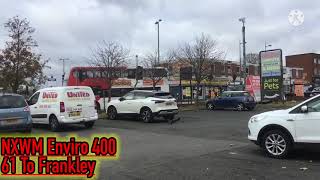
{"x":315,"y":91}
{"x":14,"y":113}
{"x":277,"y":132}
{"x":63,"y":105}
{"x":146,"y":104}
{"x":239,"y":100}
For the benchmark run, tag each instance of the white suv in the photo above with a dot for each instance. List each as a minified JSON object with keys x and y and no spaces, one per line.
{"x":278,"y":131}
{"x":146,"y":104}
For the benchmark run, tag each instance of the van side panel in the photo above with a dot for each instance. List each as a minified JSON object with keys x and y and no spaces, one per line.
{"x":48,"y":103}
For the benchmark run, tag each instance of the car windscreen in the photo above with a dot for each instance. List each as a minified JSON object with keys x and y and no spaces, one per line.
{"x":7,"y":102}
{"x":163,"y":95}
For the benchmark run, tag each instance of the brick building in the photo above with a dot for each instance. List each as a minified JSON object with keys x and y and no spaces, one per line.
{"x":310,"y":62}
{"x":219,"y":69}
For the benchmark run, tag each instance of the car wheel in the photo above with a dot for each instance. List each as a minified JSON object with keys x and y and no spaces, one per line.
{"x":146,"y":115}
{"x":112,"y":113}
{"x":210,"y":106}
{"x":54,"y":124}
{"x":89,"y":124}
{"x":276,"y":144}
{"x":240,"y":107}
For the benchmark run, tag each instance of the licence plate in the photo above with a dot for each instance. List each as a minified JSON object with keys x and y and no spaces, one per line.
{"x":9,"y":122}
{"x":169,"y":103}
{"x":76,"y":113}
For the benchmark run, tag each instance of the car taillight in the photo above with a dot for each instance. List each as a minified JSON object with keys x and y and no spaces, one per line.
{"x":158,"y":101}
{"x":62,"y":108}
{"x":26,"y":109}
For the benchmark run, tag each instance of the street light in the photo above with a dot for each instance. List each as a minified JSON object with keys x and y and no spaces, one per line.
{"x":158,"y":24}
{"x":266,"y":45}
{"x":243,"y":20}
{"x":63,"y":69}
{"x":240,"y":44}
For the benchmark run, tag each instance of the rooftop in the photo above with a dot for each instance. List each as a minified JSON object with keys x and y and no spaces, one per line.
{"x":304,"y":54}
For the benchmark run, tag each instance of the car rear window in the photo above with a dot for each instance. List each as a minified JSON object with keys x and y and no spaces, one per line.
{"x":163,"y":95}
{"x":7,"y":102}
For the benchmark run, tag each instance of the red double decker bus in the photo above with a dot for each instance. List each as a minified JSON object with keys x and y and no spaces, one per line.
{"x":123,"y":82}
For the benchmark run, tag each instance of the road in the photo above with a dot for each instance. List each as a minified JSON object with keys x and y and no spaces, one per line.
{"x":202,"y":145}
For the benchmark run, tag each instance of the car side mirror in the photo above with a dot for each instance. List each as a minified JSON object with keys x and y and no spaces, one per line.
{"x":304,"y":108}
{"x":122,"y":99}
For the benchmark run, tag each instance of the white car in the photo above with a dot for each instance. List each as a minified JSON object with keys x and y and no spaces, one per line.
{"x":146,"y":104}
{"x":279,"y":131}
{"x":63,"y":105}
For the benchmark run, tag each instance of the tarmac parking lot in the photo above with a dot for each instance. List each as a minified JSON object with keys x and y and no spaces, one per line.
{"x":202,"y":145}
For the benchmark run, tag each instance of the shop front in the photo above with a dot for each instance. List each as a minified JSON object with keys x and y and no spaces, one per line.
{"x":187,"y":90}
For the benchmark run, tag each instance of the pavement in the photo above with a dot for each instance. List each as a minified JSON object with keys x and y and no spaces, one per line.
{"x":202,"y":145}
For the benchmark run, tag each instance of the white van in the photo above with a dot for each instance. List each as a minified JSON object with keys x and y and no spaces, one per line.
{"x":63,"y":105}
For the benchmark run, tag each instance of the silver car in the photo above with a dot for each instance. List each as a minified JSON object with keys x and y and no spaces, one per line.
{"x":14,"y":113}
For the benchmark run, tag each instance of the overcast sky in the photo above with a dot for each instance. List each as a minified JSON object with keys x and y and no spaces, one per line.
{"x":69,"y":28}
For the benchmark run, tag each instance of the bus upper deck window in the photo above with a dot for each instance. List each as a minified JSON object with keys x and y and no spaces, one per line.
{"x":75,"y":74}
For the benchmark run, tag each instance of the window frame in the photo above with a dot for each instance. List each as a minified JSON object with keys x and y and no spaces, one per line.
{"x":35,"y":94}
{"x":126,"y":95}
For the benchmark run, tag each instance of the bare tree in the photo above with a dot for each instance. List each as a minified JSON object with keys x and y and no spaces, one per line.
{"x":111,"y":57}
{"x":153,"y":71}
{"x":200,"y":54}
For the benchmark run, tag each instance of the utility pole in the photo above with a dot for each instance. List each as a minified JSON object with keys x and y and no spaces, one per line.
{"x":137,"y":64}
{"x":241,"y":72}
{"x":158,"y":24}
{"x":243,"y":20}
{"x":63,"y":66}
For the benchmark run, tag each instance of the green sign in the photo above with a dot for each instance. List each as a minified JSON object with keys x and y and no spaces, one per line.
{"x":271,"y":74}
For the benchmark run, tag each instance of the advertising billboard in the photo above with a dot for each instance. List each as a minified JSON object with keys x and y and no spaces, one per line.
{"x":271,"y":74}
{"x":253,"y":87}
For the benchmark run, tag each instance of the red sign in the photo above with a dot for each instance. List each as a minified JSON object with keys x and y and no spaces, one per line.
{"x":253,"y":87}
{"x":78,"y":94}
{"x":49,"y":95}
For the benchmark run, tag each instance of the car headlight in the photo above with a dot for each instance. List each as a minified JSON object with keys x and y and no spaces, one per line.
{"x":256,"y":118}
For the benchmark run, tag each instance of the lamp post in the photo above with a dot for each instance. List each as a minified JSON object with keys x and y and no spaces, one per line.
{"x":63,"y":68}
{"x":240,"y":43}
{"x":243,"y":20}
{"x":266,"y":45}
{"x":158,"y":24}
